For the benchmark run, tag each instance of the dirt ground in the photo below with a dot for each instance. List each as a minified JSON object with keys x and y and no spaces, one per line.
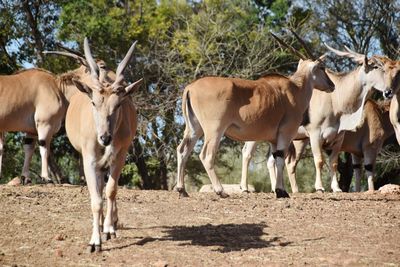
{"x":51,"y":226}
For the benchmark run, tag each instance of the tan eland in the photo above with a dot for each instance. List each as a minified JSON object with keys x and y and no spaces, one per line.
{"x":331,"y":114}
{"x":101,"y":124}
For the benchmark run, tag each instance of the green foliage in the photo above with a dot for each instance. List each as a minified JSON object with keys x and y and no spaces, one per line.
{"x":130,"y":176}
{"x":13,"y":158}
{"x":225,"y":38}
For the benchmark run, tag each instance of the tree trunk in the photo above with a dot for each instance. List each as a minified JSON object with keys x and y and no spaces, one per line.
{"x":55,"y":172}
{"x":32,"y":22}
{"x":141,"y":165}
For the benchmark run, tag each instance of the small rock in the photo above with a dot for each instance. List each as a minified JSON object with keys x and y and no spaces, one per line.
{"x":390,"y":189}
{"x":160,"y":263}
{"x":228,"y":188}
{"x":15,"y":181}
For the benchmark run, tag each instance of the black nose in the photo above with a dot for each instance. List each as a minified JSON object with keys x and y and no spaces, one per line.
{"x":388,"y":94}
{"x":106,"y":139}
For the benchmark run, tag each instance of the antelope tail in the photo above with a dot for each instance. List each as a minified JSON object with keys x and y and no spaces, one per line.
{"x":188,"y":112}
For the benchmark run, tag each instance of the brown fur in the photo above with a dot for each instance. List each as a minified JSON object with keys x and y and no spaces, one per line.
{"x":372,"y":133}
{"x":269,"y":109}
{"x":325,"y":118}
{"x":53,"y":93}
{"x":366,"y":142}
{"x":32,"y":103}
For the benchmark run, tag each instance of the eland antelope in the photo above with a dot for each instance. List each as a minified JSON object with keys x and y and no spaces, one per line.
{"x":365,"y":143}
{"x":101,"y":124}
{"x":269,"y":109}
{"x":331,"y":114}
{"x":66,"y":89}
{"x":392,"y":68}
{"x":31,"y":103}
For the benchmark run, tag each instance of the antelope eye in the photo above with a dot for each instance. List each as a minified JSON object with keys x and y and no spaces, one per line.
{"x":93,"y":104}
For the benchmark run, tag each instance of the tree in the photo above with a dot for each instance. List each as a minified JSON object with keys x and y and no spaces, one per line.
{"x":364,"y":25}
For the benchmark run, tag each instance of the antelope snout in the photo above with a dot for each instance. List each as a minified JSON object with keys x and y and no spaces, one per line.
{"x":105,"y":139}
{"x":388,"y":93}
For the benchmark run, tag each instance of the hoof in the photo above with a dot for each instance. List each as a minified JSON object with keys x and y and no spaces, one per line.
{"x":222,"y":194}
{"x":182,"y":192}
{"x":26,"y":181}
{"x":246,"y":191}
{"x":106,"y":236}
{"x":93,"y":248}
{"x":320,"y":191}
{"x":337,"y":191}
{"x":281,"y":193}
{"x":113,"y":235}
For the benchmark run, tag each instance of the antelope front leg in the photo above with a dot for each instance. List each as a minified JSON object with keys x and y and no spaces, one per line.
{"x":111,"y":193}
{"x":95,"y":187}
{"x":333,"y":163}
{"x":247,"y":154}
{"x":318,"y":160}
{"x":296,"y":150}
{"x":44,"y":137}
{"x":271,"y":165}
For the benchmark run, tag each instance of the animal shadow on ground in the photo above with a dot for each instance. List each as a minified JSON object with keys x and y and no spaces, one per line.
{"x":228,"y":237}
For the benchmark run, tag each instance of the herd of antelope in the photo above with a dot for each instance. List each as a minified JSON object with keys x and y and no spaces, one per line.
{"x":314,"y":105}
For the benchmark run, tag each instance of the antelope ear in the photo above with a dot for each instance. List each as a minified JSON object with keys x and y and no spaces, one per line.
{"x":133,"y":87}
{"x":82,"y":87}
